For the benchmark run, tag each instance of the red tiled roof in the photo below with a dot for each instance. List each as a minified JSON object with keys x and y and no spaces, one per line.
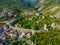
{"x":1,"y":27}
{"x":28,"y":32}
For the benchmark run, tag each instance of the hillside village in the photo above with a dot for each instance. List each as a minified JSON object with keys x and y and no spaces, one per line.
{"x":26,"y":24}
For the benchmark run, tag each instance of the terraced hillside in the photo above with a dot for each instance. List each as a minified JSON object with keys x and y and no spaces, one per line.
{"x":51,"y":7}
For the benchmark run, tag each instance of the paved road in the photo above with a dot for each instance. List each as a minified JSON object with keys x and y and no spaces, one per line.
{"x":21,"y":29}
{"x":26,"y":30}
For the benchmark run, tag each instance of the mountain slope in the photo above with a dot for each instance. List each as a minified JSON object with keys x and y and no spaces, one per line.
{"x":13,"y":4}
{"x":50,"y":7}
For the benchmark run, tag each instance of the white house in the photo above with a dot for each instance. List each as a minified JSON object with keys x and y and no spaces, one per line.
{"x":51,"y":16}
{"x":0,"y":15}
{"x":45,"y":27}
{"x":43,"y":17}
{"x":37,"y":14}
{"x":21,"y":36}
{"x":53,"y":25}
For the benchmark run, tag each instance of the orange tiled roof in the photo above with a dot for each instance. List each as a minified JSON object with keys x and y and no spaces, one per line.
{"x":28,"y":32}
{"x":34,"y":44}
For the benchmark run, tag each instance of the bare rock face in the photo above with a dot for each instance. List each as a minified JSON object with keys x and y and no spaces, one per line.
{"x":57,"y":15}
{"x":42,"y":1}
